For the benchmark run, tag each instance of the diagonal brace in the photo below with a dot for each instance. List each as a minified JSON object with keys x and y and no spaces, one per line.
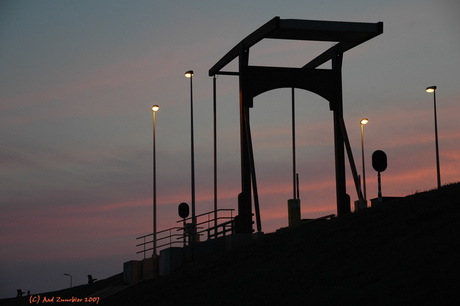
{"x":350,"y":159}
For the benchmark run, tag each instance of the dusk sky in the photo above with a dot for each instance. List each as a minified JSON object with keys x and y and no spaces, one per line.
{"x":78,"y":79}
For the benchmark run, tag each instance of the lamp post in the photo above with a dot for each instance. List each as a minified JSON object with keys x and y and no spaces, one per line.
{"x":189,"y":74}
{"x":70,"y":279}
{"x":215,"y":152}
{"x":432,"y":89}
{"x":294,"y":171}
{"x":363,"y":122}
{"x":155,"y":108}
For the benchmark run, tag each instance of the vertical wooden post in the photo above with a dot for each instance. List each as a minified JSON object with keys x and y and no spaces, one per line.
{"x":244,"y":220}
{"x":343,"y":205}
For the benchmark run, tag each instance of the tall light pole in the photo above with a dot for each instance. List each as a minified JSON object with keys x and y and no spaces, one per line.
{"x":432,"y":89}
{"x":363,"y":122}
{"x":294,"y":171}
{"x":189,"y":74}
{"x":70,"y":279}
{"x":155,"y":108}
{"x":215,"y":151}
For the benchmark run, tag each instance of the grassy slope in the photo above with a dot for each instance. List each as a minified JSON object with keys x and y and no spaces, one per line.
{"x":403,"y":252}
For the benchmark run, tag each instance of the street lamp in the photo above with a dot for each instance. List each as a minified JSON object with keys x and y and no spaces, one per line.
{"x":155,"y":108}
{"x":432,"y":89}
{"x":189,"y":74}
{"x":70,"y":279}
{"x":363,"y":122}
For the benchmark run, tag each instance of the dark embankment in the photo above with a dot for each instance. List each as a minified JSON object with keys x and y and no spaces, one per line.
{"x":405,"y":252}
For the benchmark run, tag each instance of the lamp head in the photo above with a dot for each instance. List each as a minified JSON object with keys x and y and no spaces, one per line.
{"x":189,"y":74}
{"x":155,"y":108}
{"x":431,"y":89}
{"x":364,"y":121}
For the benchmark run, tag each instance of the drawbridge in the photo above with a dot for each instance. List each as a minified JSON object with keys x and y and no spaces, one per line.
{"x":327,"y":83}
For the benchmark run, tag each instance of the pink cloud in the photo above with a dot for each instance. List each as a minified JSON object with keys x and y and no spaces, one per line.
{"x":128,"y":77}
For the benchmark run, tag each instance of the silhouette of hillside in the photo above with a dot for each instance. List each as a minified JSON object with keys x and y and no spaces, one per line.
{"x":81,"y":291}
{"x":401,"y":252}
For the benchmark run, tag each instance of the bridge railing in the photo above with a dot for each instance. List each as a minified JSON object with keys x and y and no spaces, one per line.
{"x":207,"y":223}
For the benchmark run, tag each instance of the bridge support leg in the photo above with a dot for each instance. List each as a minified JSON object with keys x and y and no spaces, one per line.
{"x":343,"y":200}
{"x":243,"y":222}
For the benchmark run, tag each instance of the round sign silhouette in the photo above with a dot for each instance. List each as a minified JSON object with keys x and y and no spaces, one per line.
{"x":183,"y":210}
{"x":379,"y":161}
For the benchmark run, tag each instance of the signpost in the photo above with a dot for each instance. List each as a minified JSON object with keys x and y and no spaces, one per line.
{"x":379,"y":163}
{"x":184,"y":211}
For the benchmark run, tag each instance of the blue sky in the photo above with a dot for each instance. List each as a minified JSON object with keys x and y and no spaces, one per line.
{"x":78,"y":79}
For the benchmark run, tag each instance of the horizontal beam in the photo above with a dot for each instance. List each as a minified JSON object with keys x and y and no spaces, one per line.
{"x":341,"y":47}
{"x":260,"y":79}
{"x":227,"y":73}
{"x":347,"y":35}
{"x":334,"y":31}
{"x":246,"y":43}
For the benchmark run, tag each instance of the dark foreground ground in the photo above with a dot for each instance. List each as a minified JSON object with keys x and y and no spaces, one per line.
{"x":405,"y":252}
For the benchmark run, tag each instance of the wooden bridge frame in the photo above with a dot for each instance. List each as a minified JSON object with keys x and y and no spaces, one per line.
{"x":327,"y":83}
